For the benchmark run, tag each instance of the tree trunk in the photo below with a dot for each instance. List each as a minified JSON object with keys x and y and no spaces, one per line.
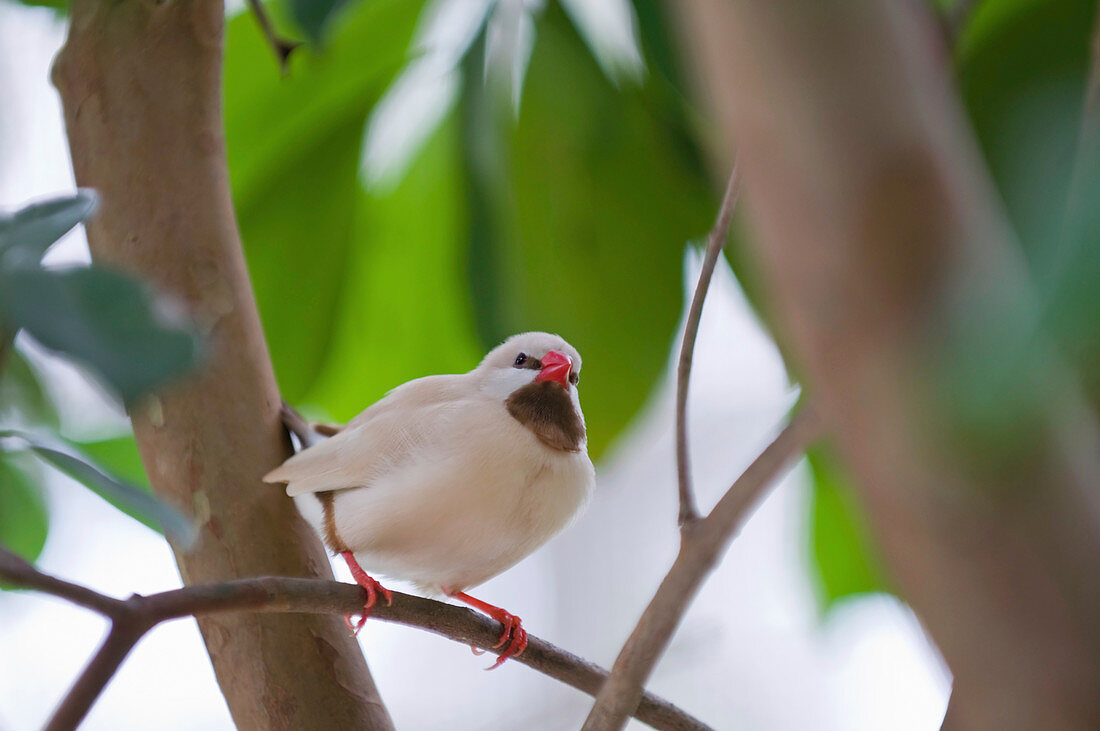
{"x":892,"y":272}
{"x":140,"y":81}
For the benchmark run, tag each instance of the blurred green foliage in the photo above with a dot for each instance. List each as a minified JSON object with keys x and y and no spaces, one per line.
{"x":23,"y":517}
{"x":844,"y":553}
{"x":589,"y":198}
{"x":23,"y":397}
{"x":105,"y":320}
{"x":293,"y":147}
{"x":569,"y":212}
{"x":132,"y":499}
{"x":1022,"y":67}
{"x":128,"y":335}
{"x":314,"y":17}
{"x":570,"y":217}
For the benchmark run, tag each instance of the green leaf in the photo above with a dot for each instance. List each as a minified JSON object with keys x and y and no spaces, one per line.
{"x":844,"y":557}
{"x":580,"y":212}
{"x":294,"y":147}
{"x":22,"y":390}
{"x":106,"y":320}
{"x":120,"y":457}
{"x":406,"y":311}
{"x":26,"y":234}
{"x":314,"y":16}
{"x":1023,"y":66}
{"x":24,"y":520}
{"x":59,"y":5}
{"x":139,"y":502}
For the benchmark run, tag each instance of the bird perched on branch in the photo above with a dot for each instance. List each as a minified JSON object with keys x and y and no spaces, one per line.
{"x":449,"y":480}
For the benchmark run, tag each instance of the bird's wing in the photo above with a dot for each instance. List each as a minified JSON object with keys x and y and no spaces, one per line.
{"x":416,"y":394}
{"x":380,"y":439}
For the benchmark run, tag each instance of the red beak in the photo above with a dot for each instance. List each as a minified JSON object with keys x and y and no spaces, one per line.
{"x":556,"y":366}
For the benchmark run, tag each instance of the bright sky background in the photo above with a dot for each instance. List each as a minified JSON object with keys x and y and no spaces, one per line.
{"x":753,"y":652}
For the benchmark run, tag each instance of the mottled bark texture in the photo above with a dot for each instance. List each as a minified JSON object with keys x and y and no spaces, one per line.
{"x":140,"y":81}
{"x":900,"y":290}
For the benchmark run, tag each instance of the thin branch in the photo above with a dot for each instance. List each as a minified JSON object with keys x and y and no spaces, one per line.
{"x":120,"y":641}
{"x":702,"y":545}
{"x":133,"y":617}
{"x":18,"y":571}
{"x":283,"y":47}
{"x":715,"y":243}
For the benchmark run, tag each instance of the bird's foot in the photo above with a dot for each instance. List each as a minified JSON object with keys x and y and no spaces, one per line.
{"x":373,"y":590}
{"x":514,"y":637}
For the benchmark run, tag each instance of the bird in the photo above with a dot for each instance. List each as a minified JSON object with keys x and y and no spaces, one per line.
{"x":449,"y":480}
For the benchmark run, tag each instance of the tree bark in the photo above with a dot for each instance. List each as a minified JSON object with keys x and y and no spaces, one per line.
{"x":892,"y":272}
{"x":140,"y":82}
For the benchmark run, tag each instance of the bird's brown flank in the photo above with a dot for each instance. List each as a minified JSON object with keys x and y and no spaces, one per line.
{"x":332,"y":540}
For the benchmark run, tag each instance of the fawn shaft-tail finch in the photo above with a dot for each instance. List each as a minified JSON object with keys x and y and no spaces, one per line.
{"x":449,"y":480}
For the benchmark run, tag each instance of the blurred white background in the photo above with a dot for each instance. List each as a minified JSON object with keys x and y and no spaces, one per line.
{"x":753,"y":652}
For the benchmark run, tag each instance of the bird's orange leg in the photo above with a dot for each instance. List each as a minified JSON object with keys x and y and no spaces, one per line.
{"x":514,"y":633}
{"x":371,"y":585}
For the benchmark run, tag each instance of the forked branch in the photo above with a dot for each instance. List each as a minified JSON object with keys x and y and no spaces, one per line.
{"x":702,"y":542}
{"x":132,"y":618}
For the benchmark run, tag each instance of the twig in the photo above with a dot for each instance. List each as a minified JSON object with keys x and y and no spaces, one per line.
{"x":132,"y":618}
{"x":283,"y":47}
{"x":702,"y":544}
{"x":75,"y":706}
{"x":715,"y":243}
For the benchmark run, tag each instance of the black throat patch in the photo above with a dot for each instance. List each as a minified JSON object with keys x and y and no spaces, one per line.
{"x":544,"y":408}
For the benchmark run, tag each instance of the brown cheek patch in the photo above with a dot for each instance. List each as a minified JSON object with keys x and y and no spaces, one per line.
{"x":544,"y":408}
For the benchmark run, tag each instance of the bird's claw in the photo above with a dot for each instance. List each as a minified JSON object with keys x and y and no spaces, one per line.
{"x":514,"y":636}
{"x":372,"y":587}
{"x":356,"y":626}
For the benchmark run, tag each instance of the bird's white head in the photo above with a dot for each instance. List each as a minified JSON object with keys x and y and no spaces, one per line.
{"x":537,"y":375}
{"x":528,"y":358}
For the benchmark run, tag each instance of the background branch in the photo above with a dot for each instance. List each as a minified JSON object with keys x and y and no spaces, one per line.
{"x":133,"y":617}
{"x":702,"y":544}
{"x":890,"y":263}
{"x":716,"y":242}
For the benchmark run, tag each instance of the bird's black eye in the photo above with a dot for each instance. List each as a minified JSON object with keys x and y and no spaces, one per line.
{"x":574,"y":378}
{"x":520,"y":360}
